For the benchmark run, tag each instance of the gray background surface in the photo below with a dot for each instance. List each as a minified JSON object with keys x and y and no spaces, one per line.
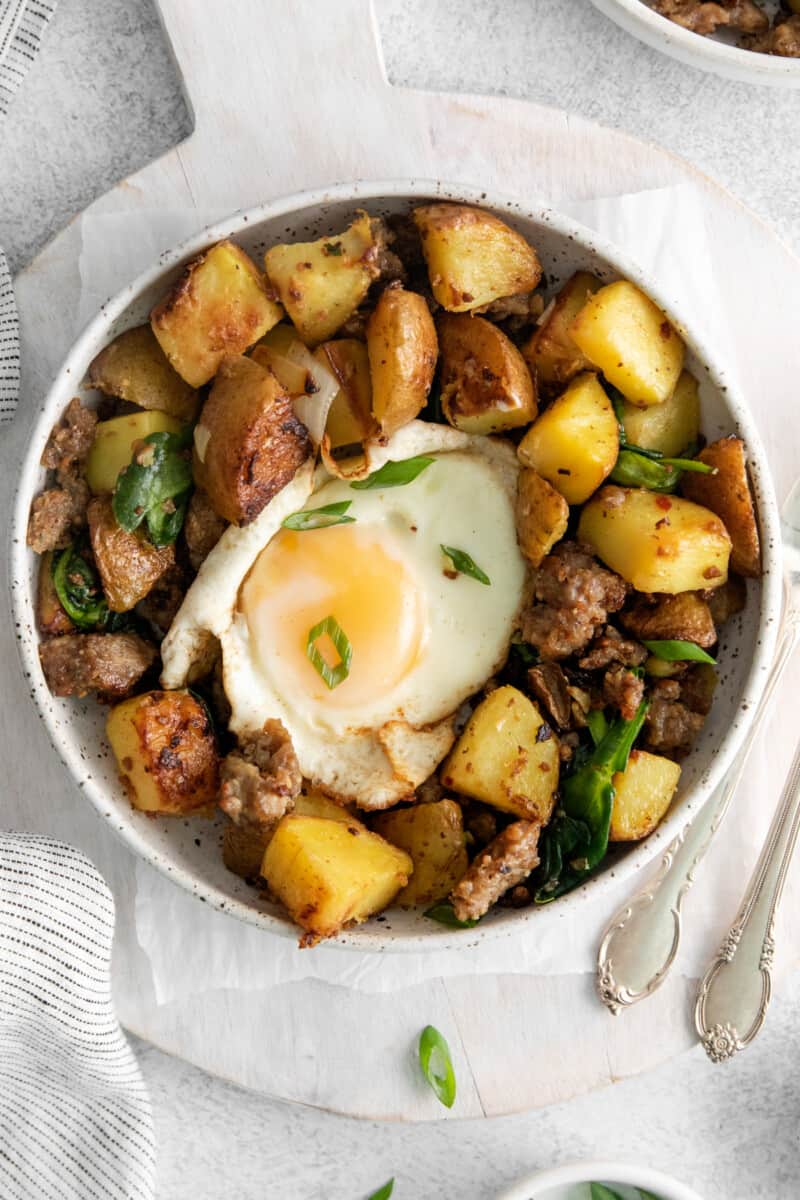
{"x":101,"y":100}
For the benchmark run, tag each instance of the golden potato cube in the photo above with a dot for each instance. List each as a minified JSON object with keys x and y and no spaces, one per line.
{"x":542,"y":516}
{"x":485,"y":384}
{"x":728,"y":495}
{"x":402,"y":350}
{"x":322,"y":283}
{"x":433,"y":834}
{"x":293,"y":378}
{"x":243,"y":849}
{"x":248,"y":443}
{"x":350,"y":417}
{"x":670,"y":427}
{"x":507,"y":756}
{"x":129,"y":564}
{"x":550,"y":352}
{"x":135,"y":368}
{"x":575,"y":442}
{"x":631,"y":341}
{"x":219,"y":306}
{"x":313,"y":803}
{"x":656,"y":543}
{"x":473,"y":257}
{"x":114,"y":440}
{"x":644,"y":792}
{"x":329,"y":873}
{"x":166,"y":752}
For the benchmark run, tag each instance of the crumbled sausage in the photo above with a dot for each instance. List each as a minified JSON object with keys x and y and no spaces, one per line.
{"x":611,"y":647}
{"x":202,"y":528}
{"x":550,"y":685}
{"x":108,"y":663}
{"x":575,"y":595}
{"x":261,"y":779}
{"x":70,"y":440}
{"x":162,"y":602}
{"x":623,"y":690}
{"x":706,"y":16}
{"x":56,"y":515}
{"x":670,"y":726}
{"x":504,"y":863}
{"x":783,"y":39}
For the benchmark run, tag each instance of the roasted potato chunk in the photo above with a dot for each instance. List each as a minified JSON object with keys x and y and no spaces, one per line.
{"x":683,"y":618}
{"x":656,"y":543}
{"x":350,"y":417}
{"x":243,"y":850}
{"x":330,"y":873}
{"x":669,"y":427}
{"x":248,"y":441}
{"x":322,"y":283}
{"x":631,"y":341}
{"x":50,"y":616}
{"x":473,"y":257}
{"x":644,"y":792}
{"x":128,"y":564}
{"x":312,"y":803}
{"x":550,"y":352}
{"x":114,"y":442}
{"x":135,"y":368}
{"x":402,"y":350}
{"x":574,"y":443}
{"x":542,"y":516}
{"x":166,"y":752}
{"x":507,"y":756}
{"x":433,"y":834}
{"x":728,"y":495}
{"x":728,"y":600}
{"x":485,"y":384}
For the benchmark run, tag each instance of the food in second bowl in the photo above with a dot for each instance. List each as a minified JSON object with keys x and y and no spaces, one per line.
{"x":411,"y":570}
{"x":777,"y":34}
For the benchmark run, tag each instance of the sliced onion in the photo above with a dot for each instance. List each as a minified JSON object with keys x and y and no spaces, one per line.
{"x":313,"y":410}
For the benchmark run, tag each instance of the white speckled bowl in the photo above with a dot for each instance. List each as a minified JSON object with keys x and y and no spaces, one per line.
{"x":714,"y":53}
{"x":571,"y":1183}
{"x":188,"y":850}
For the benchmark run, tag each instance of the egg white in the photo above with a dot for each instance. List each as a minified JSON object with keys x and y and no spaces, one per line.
{"x":376,"y":752}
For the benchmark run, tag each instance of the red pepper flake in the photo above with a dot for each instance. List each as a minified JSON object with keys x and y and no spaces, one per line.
{"x":665,"y":329}
{"x":664,"y":503}
{"x":711,"y":573}
{"x":662,"y":523}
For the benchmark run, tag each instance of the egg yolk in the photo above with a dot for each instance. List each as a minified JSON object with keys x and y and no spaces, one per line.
{"x":356,"y":576}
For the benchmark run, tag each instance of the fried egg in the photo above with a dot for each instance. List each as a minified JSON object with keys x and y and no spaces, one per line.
{"x":419,"y":635}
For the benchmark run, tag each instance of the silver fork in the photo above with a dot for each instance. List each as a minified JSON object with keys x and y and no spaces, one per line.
{"x":642,"y":938}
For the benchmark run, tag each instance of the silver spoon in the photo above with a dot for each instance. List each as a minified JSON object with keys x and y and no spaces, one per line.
{"x":642,"y":938}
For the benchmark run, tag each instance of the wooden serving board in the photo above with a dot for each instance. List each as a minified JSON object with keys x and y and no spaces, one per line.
{"x":288,"y":96}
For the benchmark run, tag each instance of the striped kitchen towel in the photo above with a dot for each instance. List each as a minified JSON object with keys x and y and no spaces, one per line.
{"x":75,"y":1121}
{"x":22,"y":23}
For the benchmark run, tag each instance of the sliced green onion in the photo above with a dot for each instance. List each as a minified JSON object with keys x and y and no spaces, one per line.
{"x":464,"y":564}
{"x":394,"y":474}
{"x":677,"y":651}
{"x":599,"y":1191}
{"x":597,"y":725}
{"x":332,"y":676}
{"x":320,"y":518}
{"x":443,"y":913}
{"x":383,"y":1193}
{"x":437,"y":1066}
{"x":690,"y":464}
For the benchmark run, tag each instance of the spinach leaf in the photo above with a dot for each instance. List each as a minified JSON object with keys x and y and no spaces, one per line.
{"x":156,"y":486}
{"x":444,"y":914}
{"x":78,"y":589}
{"x":576,"y":839}
{"x":637,"y":470}
{"x":599,"y":1191}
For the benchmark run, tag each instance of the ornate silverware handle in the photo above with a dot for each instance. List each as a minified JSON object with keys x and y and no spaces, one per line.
{"x":642,"y":938}
{"x":735,"y":991}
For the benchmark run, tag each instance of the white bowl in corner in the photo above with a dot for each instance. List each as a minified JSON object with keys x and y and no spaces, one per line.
{"x":704,"y":53}
{"x":188,"y":851}
{"x":564,"y":1183}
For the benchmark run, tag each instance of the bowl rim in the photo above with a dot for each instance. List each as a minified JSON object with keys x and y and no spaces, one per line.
{"x":734,"y":62}
{"x":72,"y":370}
{"x":588,"y":1172}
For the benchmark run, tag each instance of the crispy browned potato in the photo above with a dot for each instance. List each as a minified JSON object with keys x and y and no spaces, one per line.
{"x":433,"y":834}
{"x":50,"y":616}
{"x":728,"y":495}
{"x":322,"y":283}
{"x":486,"y":386}
{"x":129,"y":565}
{"x":135,"y":368}
{"x":248,"y":442}
{"x":728,"y":600}
{"x":243,"y":850}
{"x":542,"y":516}
{"x":473,"y":257}
{"x":166,"y":752}
{"x":350,"y":418}
{"x":219,"y":306}
{"x":683,"y":618}
{"x":550,"y":352}
{"x":402,"y":349}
